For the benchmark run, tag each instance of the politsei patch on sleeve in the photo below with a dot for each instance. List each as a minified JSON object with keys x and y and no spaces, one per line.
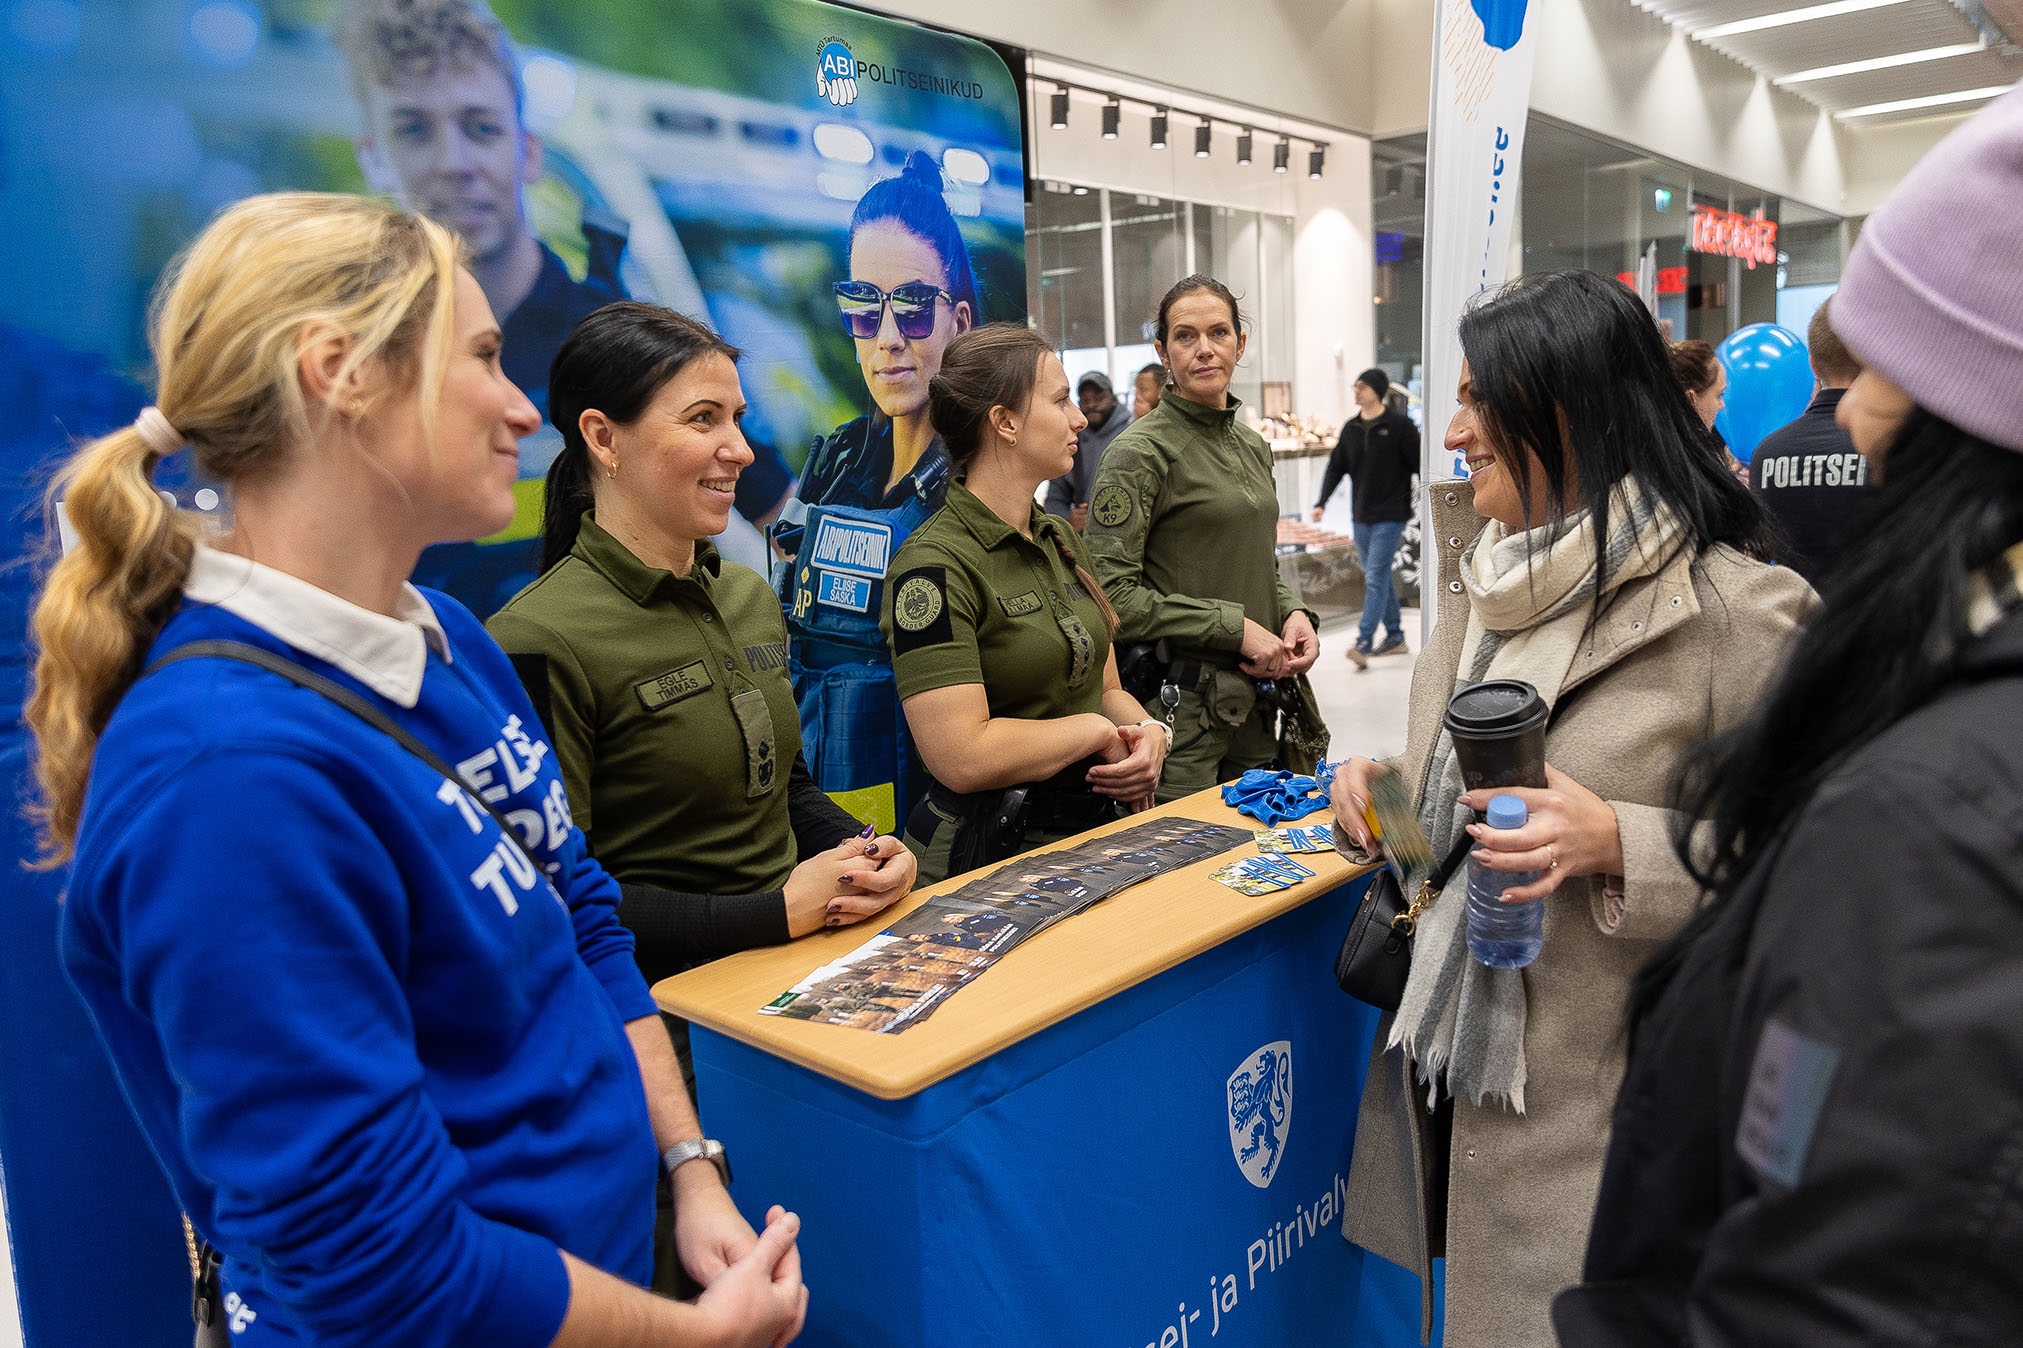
{"x":1112,"y":506}
{"x":920,"y":609}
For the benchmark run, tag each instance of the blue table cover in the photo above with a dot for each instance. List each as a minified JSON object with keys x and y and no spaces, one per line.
{"x":1164,"y":1169}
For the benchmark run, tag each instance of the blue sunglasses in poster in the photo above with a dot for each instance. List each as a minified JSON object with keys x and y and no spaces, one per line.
{"x":863,"y":307}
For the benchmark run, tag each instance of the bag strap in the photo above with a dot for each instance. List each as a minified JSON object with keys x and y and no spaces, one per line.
{"x":345,"y":698}
{"x":1407,"y":922}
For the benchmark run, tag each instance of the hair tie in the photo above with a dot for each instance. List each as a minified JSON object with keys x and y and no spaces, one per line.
{"x":155,"y":430}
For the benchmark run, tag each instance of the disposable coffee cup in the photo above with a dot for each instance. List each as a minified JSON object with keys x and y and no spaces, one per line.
{"x":1499,"y":734}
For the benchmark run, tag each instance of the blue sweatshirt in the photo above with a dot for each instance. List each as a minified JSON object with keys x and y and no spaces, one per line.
{"x":381,"y":1058}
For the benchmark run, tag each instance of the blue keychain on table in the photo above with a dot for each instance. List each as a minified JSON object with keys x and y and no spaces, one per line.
{"x":1273,"y":796}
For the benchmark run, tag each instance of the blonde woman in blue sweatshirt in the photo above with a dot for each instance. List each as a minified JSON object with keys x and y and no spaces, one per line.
{"x":381,"y":1027}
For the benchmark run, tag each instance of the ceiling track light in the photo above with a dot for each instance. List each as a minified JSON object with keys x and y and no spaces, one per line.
{"x":1159,"y":129}
{"x":1113,"y":113}
{"x":1314,"y":161}
{"x":1243,"y":146}
{"x":1202,"y":135}
{"x":1060,"y":106}
{"x":1281,"y":156}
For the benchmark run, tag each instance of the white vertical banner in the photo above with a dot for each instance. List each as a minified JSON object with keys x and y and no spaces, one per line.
{"x":1482,"y":56}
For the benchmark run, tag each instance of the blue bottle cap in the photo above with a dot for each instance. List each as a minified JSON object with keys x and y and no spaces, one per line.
{"x":1506,"y":812}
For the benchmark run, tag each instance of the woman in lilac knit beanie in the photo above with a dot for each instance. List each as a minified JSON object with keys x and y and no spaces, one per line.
{"x":1819,"y":1138}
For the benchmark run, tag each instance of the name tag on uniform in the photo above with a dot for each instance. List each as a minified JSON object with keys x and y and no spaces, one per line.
{"x":857,"y":546}
{"x":673,"y":686}
{"x":1018,"y":605}
{"x":841,"y":591}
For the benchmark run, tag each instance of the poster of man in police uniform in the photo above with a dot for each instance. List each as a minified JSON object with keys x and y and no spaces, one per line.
{"x":698,"y":153}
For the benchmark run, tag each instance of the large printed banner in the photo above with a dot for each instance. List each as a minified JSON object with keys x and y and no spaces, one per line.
{"x":1474,"y":147}
{"x":706,"y":154}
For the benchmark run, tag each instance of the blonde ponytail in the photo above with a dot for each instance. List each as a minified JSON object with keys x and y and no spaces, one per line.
{"x":100,"y":609}
{"x":226,"y":334}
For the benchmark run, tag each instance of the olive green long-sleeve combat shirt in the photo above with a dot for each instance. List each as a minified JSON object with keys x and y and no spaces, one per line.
{"x":1183,"y":528}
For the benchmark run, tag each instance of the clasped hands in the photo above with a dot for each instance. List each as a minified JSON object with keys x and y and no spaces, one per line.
{"x":1133,"y":758}
{"x":855,"y":879}
{"x":1568,"y":830}
{"x":1293,"y":651}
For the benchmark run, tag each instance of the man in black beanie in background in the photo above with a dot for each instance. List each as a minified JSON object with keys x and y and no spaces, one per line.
{"x":1378,"y":450}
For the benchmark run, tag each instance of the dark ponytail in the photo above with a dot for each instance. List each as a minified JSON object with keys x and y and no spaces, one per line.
{"x":615,"y":362}
{"x":914,"y":201}
{"x":996,"y":365}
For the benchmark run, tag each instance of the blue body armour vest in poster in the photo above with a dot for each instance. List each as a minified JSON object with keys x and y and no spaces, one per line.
{"x":852,"y":730}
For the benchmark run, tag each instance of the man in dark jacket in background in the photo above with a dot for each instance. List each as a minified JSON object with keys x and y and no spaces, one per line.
{"x":1807,"y":474}
{"x":1068,"y":494}
{"x":1378,"y":450}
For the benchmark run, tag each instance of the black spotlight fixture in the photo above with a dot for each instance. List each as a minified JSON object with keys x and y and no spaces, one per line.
{"x":1060,"y":118}
{"x":1113,"y":113}
{"x":1314,"y":161}
{"x":1201,"y":135}
{"x":1159,"y":128}
{"x":1281,"y":156}
{"x":1243,"y":146}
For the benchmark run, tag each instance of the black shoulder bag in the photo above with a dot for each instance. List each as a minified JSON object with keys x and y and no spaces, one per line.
{"x":1376,"y":954}
{"x":207,"y":1307}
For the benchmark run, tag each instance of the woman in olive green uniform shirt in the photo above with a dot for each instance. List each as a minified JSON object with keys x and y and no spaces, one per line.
{"x":660,"y":669}
{"x":1000,"y":639}
{"x":1183,"y":530}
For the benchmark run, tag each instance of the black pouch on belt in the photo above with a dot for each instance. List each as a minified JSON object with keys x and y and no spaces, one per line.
{"x":995,"y":823}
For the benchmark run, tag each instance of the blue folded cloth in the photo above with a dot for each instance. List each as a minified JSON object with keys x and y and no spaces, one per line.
{"x":1274,"y":797}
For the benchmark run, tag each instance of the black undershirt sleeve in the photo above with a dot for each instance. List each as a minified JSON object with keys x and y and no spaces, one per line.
{"x":673,"y":930}
{"x":819,"y":823}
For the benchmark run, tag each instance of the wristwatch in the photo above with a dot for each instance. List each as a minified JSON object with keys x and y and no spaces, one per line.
{"x":698,"y":1148}
{"x":1160,"y":725}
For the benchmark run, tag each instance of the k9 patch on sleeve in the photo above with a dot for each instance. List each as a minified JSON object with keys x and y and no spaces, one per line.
{"x":920,"y":609}
{"x":1112,"y":506}
{"x":1788,"y":1085}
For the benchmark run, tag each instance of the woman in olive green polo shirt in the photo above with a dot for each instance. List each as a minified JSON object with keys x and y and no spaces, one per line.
{"x":660,"y":668}
{"x":1000,"y":638}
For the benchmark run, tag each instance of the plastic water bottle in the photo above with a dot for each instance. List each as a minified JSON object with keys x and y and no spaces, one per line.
{"x":1503,"y":935}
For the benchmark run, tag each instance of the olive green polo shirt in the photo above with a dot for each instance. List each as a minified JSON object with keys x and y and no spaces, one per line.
{"x":1183,"y":531}
{"x":976,"y":601}
{"x":670,"y":711}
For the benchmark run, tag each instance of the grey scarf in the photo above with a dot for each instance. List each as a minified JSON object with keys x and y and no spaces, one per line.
{"x":1531,"y":596}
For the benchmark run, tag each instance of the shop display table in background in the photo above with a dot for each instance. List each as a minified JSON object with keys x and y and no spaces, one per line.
{"x":1133,"y":1130}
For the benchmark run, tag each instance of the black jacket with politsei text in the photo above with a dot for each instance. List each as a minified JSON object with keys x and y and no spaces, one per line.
{"x":1814,"y":484}
{"x":1819,"y":1139}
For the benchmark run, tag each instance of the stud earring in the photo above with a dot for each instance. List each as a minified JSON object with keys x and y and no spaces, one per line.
{"x":612,"y":471}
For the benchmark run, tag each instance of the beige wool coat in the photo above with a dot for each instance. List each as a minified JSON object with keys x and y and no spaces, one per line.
{"x":1674,"y":658}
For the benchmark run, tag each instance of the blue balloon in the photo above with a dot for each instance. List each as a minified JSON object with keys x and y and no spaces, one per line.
{"x":1769,"y":384}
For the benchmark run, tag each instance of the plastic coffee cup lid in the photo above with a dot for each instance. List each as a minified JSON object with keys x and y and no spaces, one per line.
{"x":1497,"y":707}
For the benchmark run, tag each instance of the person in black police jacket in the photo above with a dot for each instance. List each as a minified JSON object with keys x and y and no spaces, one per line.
{"x":1819,"y":1138}
{"x":1807,"y":473}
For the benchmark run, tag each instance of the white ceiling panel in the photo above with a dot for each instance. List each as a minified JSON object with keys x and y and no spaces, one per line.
{"x":1849,"y":31}
{"x":1979,"y":71}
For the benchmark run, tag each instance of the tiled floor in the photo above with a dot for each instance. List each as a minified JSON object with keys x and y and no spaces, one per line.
{"x":1364,"y":709}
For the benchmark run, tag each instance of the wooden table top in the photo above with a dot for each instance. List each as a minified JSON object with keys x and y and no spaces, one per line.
{"x":1115,"y":944}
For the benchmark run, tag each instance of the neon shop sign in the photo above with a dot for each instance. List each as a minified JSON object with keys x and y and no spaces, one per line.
{"x":1748,"y":237}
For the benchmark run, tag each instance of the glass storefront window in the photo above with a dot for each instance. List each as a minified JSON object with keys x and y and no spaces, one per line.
{"x":1591,"y":203}
{"x":1153,"y":242}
